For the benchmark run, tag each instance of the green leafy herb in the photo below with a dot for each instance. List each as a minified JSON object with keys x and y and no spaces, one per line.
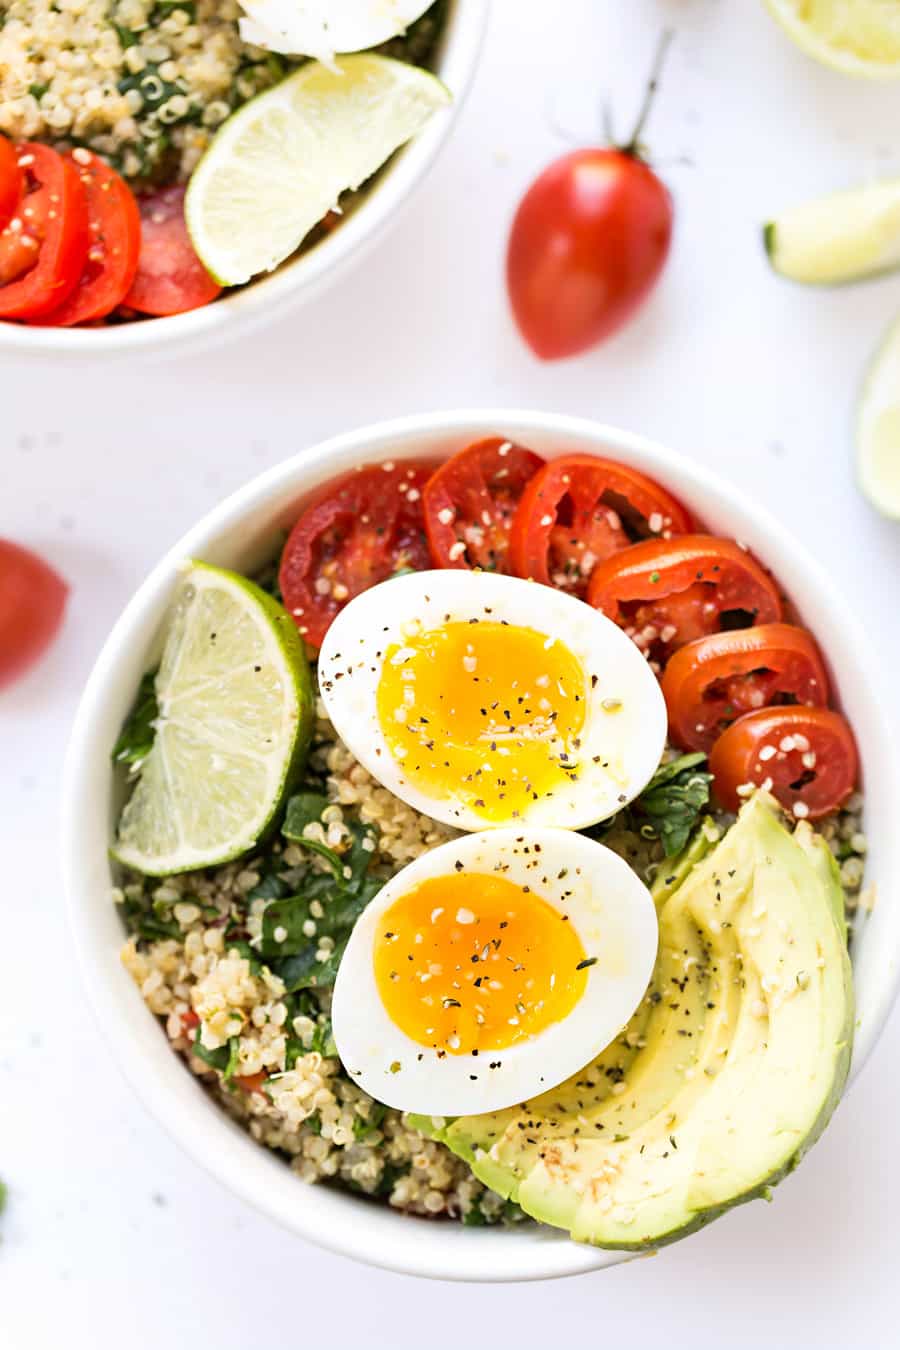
{"x":673,"y":800}
{"x":388,"y":1180}
{"x":224,"y":1059}
{"x":126,"y":37}
{"x":38,"y":90}
{"x":364,"y":1128}
{"x":292,"y":932}
{"x":149,"y":920}
{"x":163,"y":8}
{"x":136,"y":737}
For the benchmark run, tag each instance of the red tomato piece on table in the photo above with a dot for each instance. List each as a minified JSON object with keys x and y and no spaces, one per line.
{"x":11,"y":181}
{"x":32,"y":602}
{"x":587,"y":245}
{"x":666,"y":592}
{"x":44,"y":246}
{"x":365,"y":528}
{"x":579,"y":510}
{"x":806,"y":757}
{"x":471,"y":500}
{"x":170,"y":277}
{"x":114,"y":227}
{"x":711,"y":682}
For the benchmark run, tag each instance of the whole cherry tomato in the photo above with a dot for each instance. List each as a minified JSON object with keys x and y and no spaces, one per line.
{"x":32,"y":601}
{"x":587,"y":245}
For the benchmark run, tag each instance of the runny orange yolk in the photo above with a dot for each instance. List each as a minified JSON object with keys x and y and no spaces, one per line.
{"x":474,"y":963}
{"x":485,"y":713}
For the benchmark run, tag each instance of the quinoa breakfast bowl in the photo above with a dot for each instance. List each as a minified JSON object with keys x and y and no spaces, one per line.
{"x":242,"y":919}
{"x":210,"y":164}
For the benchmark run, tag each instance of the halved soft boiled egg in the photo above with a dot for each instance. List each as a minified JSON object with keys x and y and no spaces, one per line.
{"x":492,"y":968}
{"x":321,"y":28}
{"x":482,"y":700}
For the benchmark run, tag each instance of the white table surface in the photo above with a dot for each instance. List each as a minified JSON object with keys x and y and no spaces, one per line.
{"x":112,"y":1237}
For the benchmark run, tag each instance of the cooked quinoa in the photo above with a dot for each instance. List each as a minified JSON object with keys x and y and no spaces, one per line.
{"x":144,"y":83}
{"x":283,"y":1080}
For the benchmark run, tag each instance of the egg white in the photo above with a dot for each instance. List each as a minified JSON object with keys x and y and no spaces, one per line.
{"x":625,"y":717}
{"x":615,"y":918}
{"x":323,"y":28}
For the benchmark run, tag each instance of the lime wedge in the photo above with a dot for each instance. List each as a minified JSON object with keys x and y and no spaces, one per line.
{"x":857,"y":37}
{"x":280,"y":163}
{"x":878,"y":428}
{"x":842,"y":237}
{"x":235,"y":711}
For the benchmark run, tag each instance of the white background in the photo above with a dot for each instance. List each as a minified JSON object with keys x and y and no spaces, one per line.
{"x":111,"y":1236}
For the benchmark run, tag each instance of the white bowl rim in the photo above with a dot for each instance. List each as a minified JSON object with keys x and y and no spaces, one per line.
{"x":332,"y":1219}
{"x":308,"y":274}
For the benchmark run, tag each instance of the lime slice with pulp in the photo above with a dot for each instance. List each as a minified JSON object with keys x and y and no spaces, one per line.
{"x":843,"y":237}
{"x":235,"y":710}
{"x":878,"y":428}
{"x":857,"y":37}
{"x":280,"y":163}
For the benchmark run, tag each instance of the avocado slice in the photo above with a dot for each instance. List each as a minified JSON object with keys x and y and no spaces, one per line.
{"x":728,"y":1071}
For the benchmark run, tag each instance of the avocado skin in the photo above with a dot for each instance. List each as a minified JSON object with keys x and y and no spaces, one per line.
{"x":472,"y":1138}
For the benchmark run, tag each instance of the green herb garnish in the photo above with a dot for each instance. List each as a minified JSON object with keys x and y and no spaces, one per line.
{"x":672,"y":801}
{"x":136,"y":737}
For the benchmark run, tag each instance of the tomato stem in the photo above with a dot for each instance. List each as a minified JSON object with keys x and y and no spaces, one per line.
{"x":632,"y":146}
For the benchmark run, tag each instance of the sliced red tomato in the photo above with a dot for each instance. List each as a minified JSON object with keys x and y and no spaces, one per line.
{"x":364,"y":529}
{"x":32,"y":602}
{"x":170,"y":277}
{"x":710,"y":683}
{"x":11,"y":181}
{"x":806,"y":757}
{"x":114,"y":226}
{"x":666,"y":592}
{"x":580,"y":509}
{"x":471,"y":500}
{"x":44,"y":246}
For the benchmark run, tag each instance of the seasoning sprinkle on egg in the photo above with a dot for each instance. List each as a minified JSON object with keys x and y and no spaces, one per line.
{"x":470,"y":951}
{"x":481,"y":721}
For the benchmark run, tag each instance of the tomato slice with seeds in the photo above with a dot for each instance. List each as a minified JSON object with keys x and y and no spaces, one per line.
{"x":666,"y":592}
{"x":170,"y":278}
{"x":806,"y":757}
{"x":579,"y":510}
{"x":252,"y":1082}
{"x":32,"y":603}
{"x":711,"y":682}
{"x":114,"y":226}
{"x":471,"y":500}
{"x":44,"y":246}
{"x":365,"y":528}
{"x":11,"y":181}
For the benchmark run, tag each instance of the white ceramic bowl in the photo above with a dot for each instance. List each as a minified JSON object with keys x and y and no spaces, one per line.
{"x":240,"y":533}
{"x":302,"y":277}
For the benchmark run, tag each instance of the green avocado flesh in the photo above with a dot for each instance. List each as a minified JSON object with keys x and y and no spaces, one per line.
{"x":728,"y":1071}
